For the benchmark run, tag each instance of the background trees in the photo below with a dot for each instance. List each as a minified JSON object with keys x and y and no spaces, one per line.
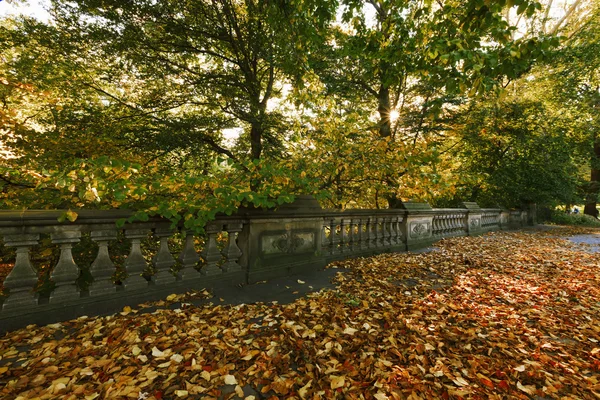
{"x":199,"y":107}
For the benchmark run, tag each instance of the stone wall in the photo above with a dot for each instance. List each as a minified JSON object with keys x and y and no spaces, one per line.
{"x":251,"y":246}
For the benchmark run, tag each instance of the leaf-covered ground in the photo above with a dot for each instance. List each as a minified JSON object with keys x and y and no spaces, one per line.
{"x":505,"y":315}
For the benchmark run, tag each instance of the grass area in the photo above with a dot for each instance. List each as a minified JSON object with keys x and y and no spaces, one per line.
{"x":505,"y":315}
{"x":562,"y":218}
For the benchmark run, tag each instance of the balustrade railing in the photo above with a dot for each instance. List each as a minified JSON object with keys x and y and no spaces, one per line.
{"x":490,"y":218}
{"x":449,"y":222}
{"x":141,"y":258}
{"x":356,"y":232}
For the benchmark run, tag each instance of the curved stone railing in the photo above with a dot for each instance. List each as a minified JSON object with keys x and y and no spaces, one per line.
{"x":251,"y":246}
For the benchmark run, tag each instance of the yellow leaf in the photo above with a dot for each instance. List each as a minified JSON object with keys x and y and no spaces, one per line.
{"x":157,"y":353}
{"x":529,"y":389}
{"x":205,"y":375}
{"x":3,"y":370}
{"x":71,"y":215}
{"x":337,"y":381}
{"x":171,"y":297}
{"x":460,"y":381}
{"x":181,"y":393}
{"x":350,"y":331}
{"x":230,"y":380}
{"x":136,"y":350}
{"x":126,"y":310}
{"x":304,"y":389}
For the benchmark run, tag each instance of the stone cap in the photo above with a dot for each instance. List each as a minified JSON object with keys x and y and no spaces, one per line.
{"x":471,"y":205}
{"x":414,"y":206}
{"x":303,"y":204}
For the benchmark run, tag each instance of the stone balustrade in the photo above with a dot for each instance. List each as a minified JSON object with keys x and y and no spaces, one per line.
{"x":251,"y":246}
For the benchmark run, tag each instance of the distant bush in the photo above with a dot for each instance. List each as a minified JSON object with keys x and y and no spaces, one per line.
{"x":561,"y":218}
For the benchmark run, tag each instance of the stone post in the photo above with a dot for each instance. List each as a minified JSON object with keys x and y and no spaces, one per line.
{"x":474,"y":216}
{"x":285,"y":241}
{"x":417,"y":227}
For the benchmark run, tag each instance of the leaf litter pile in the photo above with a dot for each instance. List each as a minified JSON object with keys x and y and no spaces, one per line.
{"x":505,"y":315}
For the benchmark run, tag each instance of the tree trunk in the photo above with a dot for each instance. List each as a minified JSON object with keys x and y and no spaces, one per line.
{"x":256,"y":132}
{"x":385,"y":131}
{"x":591,"y":199}
{"x":384,"y":108}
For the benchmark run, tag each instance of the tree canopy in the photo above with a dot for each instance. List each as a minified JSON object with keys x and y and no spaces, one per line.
{"x":186,"y":109}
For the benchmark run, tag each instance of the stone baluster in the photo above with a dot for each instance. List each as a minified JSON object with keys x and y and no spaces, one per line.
{"x":135,"y":264}
{"x":22,"y":278}
{"x":66,"y":272}
{"x":387,"y":222}
{"x":368,"y":232}
{"x":324,"y":238}
{"x":401,"y":223}
{"x":102,"y":268}
{"x":351,"y":235}
{"x":188,"y":258}
{"x":375,"y":232}
{"x":435,"y":225}
{"x":398,"y":228}
{"x":361,"y":234}
{"x":210,"y":253}
{"x":332,"y":236}
{"x":342,"y":238}
{"x":449,"y":224}
{"x":232,"y":252}
{"x":335,"y":249}
{"x":163,"y":261}
{"x":393,"y":231}
{"x":382,"y":232}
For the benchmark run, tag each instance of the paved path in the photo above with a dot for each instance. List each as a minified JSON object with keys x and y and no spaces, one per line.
{"x":593,"y":240}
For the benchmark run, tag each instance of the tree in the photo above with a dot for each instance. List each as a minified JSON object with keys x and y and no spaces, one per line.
{"x":161,"y":81}
{"x":413,"y":58}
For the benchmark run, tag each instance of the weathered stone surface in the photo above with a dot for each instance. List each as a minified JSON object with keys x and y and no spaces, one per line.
{"x":102,"y":268}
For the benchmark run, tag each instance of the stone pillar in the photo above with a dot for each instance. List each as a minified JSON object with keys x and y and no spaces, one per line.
{"x":417,"y":228}
{"x":474,"y":215}
{"x":286,"y":241}
{"x":22,"y":278}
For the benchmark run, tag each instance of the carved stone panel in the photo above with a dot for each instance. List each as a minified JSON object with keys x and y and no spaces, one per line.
{"x":420,"y":229}
{"x":288,"y":242}
{"x":475,"y":222}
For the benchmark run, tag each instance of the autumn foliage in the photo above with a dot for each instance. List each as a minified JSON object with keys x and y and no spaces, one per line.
{"x":506,"y":315}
